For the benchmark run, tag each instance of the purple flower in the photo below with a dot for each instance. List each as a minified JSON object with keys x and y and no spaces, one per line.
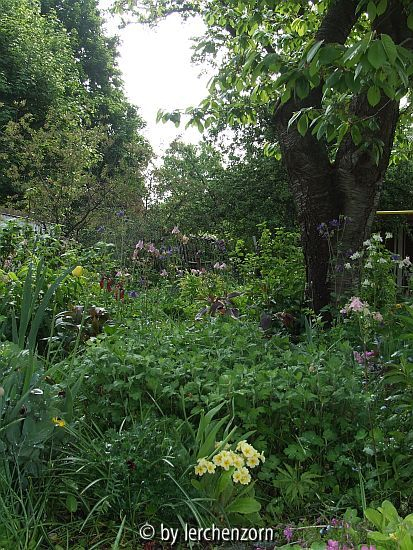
{"x":370,"y":547}
{"x":333,"y":545}
{"x":334,"y":224}
{"x":120,"y":213}
{"x":322,"y":229}
{"x":133,"y":294}
{"x":395,"y":257}
{"x":288,"y":534}
{"x":100,"y":229}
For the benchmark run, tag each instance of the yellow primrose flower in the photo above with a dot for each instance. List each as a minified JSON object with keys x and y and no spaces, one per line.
{"x":240,"y":444}
{"x":242,"y":476}
{"x":253,"y":461}
{"x":200,"y":470}
{"x":248,"y":450}
{"x":78,"y":271}
{"x":227,"y":460}
{"x":59,"y":422}
{"x":238,"y":460}
{"x":217,"y":459}
{"x":210,"y":466}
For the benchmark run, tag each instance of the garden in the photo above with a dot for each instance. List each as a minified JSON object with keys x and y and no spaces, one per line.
{"x":149,"y":394}
{"x":207,"y":345}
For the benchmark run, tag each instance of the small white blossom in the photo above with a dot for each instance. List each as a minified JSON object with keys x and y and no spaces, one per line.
{"x":366,"y":282}
{"x":389,"y":235}
{"x":382,"y":261}
{"x":347,"y":266}
{"x":367,"y":243}
{"x":406,"y":262}
{"x":376,"y":237}
{"x":368,"y":265}
{"x":355,"y":256}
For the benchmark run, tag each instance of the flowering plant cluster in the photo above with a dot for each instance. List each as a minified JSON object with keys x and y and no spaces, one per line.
{"x":377,"y":265}
{"x":245,"y":456}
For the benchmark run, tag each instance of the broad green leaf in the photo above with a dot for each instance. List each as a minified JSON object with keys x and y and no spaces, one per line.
{"x":373,"y":95}
{"x":302,"y":87}
{"x":371,"y":10}
{"x":381,"y":7}
{"x":302,"y":125}
{"x":356,"y":137}
{"x":410,"y":21}
{"x":244,"y":505}
{"x":328,"y":54}
{"x":374,"y":517}
{"x":376,"y":54}
{"x":71,"y":503}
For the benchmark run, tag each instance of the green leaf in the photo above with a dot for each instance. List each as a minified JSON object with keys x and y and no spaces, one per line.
{"x":371,"y":10}
{"x":376,"y":54}
{"x":313,"y":50}
{"x":328,"y":54}
{"x":357,"y":138}
{"x":410,"y":21}
{"x":373,"y":95}
{"x":374,"y":517}
{"x":389,"y":47}
{"x":71,"y":503}
{"x":381,"y":7}
{"x":302,"y":87}
{"x":302,"y":125}
{"x":245,"y":505}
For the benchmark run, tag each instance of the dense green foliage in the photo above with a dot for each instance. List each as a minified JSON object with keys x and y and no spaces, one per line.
{"x":108,"y":399}
{"x":70,"y":146}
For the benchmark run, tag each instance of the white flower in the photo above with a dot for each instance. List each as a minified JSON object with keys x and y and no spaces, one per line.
{"x":382,"y":261}
{"x":367,"y":243}
{"x":355,"y":256}
{"x":376,"y":237}
{"x":347,"y":266}
{"x":389,"y":235}
{"x":366,"y":282}
{"x":368,"y":265}
{"x":406,"y":262}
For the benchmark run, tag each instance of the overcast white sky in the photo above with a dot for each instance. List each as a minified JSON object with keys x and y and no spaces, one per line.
{"x":157,"y":73}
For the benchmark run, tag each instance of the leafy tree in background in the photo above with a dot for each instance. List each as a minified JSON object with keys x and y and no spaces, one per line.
{"x":71,"y":147}
{"x":200,"y":190}
{"x":331,"y":75}
{"x":37,"y":68}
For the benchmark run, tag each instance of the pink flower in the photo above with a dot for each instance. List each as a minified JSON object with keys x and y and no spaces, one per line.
{"x":288,"y":533}
{"x":356,"y":304}
{"x":175,"y":230}
{"x":163,"y":273}
{"x":194,"y":272}
{"x":365,"y":547}
{"x":333,"y":545}
{"x":361,"y":358}
{"x":216,"y":265}
{"x":151,"y":248}
{"x":377,"y":316}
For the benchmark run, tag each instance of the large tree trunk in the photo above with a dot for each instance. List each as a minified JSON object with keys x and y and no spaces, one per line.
{"x":349,"y":186}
